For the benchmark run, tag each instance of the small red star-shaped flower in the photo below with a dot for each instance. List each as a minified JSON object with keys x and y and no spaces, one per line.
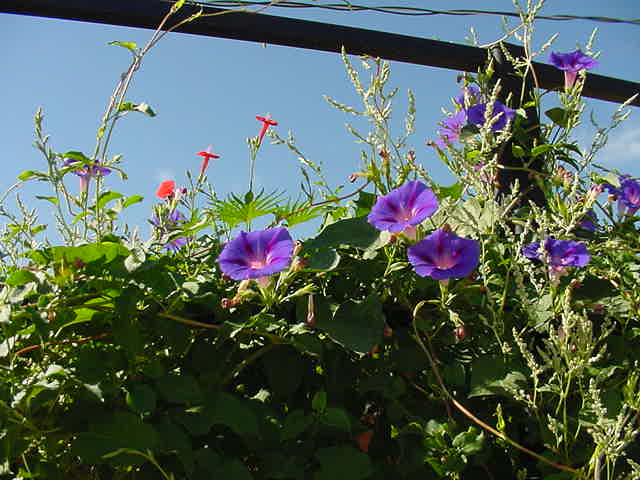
{"x":206,"y":156}
{"x":266,"y":123}
{"x":166,"y":189}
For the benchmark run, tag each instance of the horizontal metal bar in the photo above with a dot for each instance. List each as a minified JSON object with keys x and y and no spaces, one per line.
{"x":257,"y":27}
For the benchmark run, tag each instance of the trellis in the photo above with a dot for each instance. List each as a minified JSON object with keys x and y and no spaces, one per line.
{"x":276,"y":30}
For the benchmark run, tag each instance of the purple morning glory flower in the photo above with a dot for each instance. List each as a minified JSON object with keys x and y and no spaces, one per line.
{"x":477,"y":115}
{"x":588,"y":222}
{"x":628,"y":195}
{"x":87,"y":172}
{"x":256,"y":254}
{"x":443,"y":255}
{"x":451,"y":127}
{"x":403,"y":208}
{"x":471,"y":92}
{"x":572,"y":63}
{"x":561,"y":253}
{"x":176,"y":244}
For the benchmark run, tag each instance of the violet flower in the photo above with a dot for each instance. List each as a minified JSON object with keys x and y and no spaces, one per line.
{"x":443,"y":255}
{"x":560,"y":254}
{"x":258,"y":254}
{"x":470,"y":92}
{"x":403,"y":208}
{"x":169,"y":223}
{"x":628,"y":195}
{"x":87,"y":172}
{"x":571,"y":64}
{"x":588,"y":222}
{"x":477,"y":115}
{"x":451,"y":128}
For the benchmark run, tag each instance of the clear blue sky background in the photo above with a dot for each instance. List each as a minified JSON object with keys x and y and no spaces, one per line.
{"x":208,"y":91}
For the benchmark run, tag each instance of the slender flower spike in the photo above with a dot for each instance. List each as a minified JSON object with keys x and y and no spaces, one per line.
{"x":266,"y":123}
{"x":560,"y":254}
{"x":258,"y":254}
{"x":571,"y":64}
{"x":403,"y":208}
{"x":477,"y":115}
{"x":87,"y":172}
{"x":443,"y":255}
{"x":206,"y":156}
{"x":451,"y":128}
{"x":166,"y":189}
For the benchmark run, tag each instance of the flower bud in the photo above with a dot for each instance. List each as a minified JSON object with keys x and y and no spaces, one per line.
{"x":460,"y":333}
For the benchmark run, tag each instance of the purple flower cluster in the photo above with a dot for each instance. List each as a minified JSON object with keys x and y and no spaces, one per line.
{"x":559,"y":254}
{"x":472,"y":110}
{"x":628,"y":195}
{"x":571,"y":64}
{"x":442,"y":254}
{"x":257,"y":254}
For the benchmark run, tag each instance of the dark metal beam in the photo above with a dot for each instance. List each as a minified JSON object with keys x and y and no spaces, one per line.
{"x":306,"y":34}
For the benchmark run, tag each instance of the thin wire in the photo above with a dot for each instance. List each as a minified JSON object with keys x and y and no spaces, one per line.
{"x":407,"y":11}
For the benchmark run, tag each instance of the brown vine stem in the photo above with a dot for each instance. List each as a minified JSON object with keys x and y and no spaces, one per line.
{"x":466,"y":412}
{"x":31,"y":348}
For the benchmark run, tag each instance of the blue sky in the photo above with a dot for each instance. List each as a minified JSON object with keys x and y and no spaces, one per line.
{"x":208,"y":91}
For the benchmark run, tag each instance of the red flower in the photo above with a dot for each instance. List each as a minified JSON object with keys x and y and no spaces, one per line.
{"x":206,"y":156}
{"x":266,"y":123}
{"x":166,"y":189}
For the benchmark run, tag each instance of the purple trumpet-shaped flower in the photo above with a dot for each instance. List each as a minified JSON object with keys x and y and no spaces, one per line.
{"x":628,"y":195}
{"x":444,"y":255}
{"x":403,"y":208}
{"x":169,"y":223}
{"x":258,"y":254}
{"x":571,"y":64}
{"x":87,"y":172}
{"x":451,"y":127}
{"x":478,"y":115}
{"x":560,"y":253}
{"x":588,"y":222}
{"x":472,"y":93}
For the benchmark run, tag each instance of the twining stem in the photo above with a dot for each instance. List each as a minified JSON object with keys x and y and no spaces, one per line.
{"x":467,"y":413}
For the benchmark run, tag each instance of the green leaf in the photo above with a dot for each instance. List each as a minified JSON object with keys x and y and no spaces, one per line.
{"x":558,"y":116}
{"x":518,"y":151}
{"x":540,"y":149}
{"x":133,"y":199}
{"x":492,"y":376}
{"x":21,"y":277}
{"x":235,"y":210}
{"x":365,"y":203}
{"x":53,"y":200}
{"x":324,"y":259}
{"x":179,"y":389}
{"x":112,"y":432}
{"x":106,"y":197}
{"x":319,"y":402}
{"x":454,"y":191}
{"x":342,"y":461}
{"x":131,"y":46}
{"x":141,"y":399}
{"x":354,"y":232}
{"x":295,"y":423}
{"x":225,"y":409}
{"x":338,"y":418}
{"x":469,"y":442}
{"x":77,"y":156}
{"x":357,"y":326}
{"x":27,"y":174}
